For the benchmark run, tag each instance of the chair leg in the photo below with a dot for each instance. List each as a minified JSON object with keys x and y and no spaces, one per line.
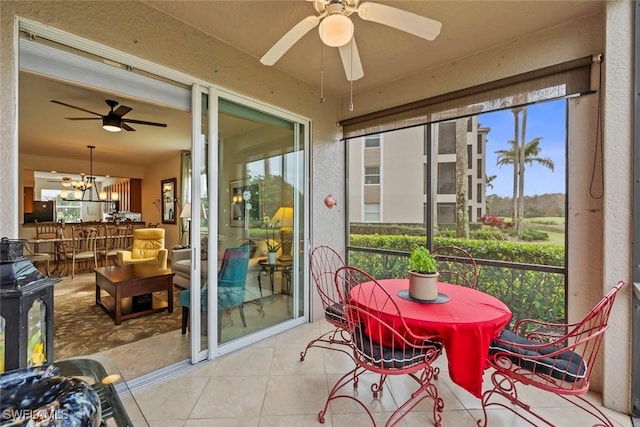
{"x":244,"y":322}
{"x":185,"y":319}
{"x":46,"y":268}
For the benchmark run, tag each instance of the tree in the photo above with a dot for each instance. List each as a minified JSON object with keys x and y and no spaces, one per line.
{"x":519,"y":155}
{"x":462,"y":220}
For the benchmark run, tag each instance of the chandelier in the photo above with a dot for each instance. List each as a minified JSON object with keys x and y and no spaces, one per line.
{"x":87,"y":182}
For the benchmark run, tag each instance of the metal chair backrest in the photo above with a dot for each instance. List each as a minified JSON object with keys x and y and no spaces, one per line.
{"x":324,"y":262}
{"x":456,"y":266}
{"x":382,"y":341}
{"x":557,"y":345}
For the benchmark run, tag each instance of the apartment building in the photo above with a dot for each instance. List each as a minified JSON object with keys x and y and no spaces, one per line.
{"x":386,"y":187}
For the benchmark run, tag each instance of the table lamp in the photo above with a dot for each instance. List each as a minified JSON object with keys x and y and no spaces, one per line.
{"x":186,"y":214}
{"x":284,"y":215}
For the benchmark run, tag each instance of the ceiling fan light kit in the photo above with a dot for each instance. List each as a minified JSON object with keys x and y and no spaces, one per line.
{"x":336,"y":30}
{"x":111,"y":123}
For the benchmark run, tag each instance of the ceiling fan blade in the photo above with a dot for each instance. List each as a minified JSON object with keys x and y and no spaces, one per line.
{"x":77,"y":108}
{"x":122,"y":110}
{"x":83,"y":118}
{"x":142,"y":122}
{"x":351,"y":60}
{"x":402,"y":20}
{"x":289,"y":39}
{"x":127,"y":127}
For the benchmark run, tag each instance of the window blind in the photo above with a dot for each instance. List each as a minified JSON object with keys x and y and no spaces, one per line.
{"x":556,"y":81}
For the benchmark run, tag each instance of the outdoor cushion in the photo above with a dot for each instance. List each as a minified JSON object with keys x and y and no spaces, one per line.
{"x":335,"y":314}
{"x":379,"y":355}
{"x":566,"y":366}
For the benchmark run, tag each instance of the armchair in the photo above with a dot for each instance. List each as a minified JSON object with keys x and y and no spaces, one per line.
{"x":556,"y":358}
{"x":232,"y":279}
{"x":148,"y":247}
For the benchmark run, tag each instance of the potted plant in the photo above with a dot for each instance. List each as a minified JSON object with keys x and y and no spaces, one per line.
{"x":423,"y":274}
{"x":272,"y":244}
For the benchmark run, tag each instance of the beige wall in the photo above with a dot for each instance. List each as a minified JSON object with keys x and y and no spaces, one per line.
{"x":201,"y":56}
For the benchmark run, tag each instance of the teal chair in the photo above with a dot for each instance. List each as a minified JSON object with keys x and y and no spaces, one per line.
{"x":231,"y":286}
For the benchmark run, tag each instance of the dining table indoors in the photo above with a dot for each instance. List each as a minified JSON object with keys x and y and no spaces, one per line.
{"x":464,"y":319}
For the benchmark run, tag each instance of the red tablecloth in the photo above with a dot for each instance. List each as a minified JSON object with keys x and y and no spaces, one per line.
{"x":466,"y":324}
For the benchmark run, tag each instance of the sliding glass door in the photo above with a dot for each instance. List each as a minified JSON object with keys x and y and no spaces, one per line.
{"x":250,"y":214}
{"x":261,"y":194}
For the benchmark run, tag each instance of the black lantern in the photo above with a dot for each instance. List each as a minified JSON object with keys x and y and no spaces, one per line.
{"x":26,"y":310}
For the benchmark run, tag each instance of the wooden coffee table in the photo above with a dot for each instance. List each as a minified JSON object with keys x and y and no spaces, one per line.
{"x":130,"y":288}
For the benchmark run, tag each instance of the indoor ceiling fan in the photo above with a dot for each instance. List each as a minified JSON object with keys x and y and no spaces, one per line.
{"x":336,"y":29}
{"x":112,"y":121}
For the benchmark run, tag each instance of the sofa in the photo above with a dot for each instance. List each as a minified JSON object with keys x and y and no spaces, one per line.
{"x":181,"y":265}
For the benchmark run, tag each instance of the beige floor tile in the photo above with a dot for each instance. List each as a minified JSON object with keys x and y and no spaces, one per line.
{"x":294,"y":394}
{"x":292,"y":421}
{"x":246,"y":362}
{"x":231,"y":397}
{"x":223,"y":422}
{"x":361,"y":419}
{"x":401,"y":388}
{"x":337,"y":362}
{"x":286,"y":361}
{"x":456,"y":418}
{"x":167,"y":423}
{"x":383,"y":403}
{"x":173,"y":399}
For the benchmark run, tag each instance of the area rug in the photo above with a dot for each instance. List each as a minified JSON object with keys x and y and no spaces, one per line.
{"x":81,"y":327}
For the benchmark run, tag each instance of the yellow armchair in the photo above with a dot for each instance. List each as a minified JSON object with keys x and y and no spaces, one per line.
{"x":148,"y":247}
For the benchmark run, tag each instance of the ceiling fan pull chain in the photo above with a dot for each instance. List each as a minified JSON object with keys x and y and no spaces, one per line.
{"x":351,"y":80}
{"x":321,"y":74}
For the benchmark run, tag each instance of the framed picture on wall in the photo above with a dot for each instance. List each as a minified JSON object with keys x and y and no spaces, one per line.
{"x":244,"y":203}
{"x":168,"y":189}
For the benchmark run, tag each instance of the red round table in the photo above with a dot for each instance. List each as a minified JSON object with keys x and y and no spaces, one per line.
{"x":466,"y":324}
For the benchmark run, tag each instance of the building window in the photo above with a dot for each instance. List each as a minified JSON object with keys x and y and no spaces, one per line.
{"x":447,"y":178}
{"x":372,"y":212}
{"x":372,"y":141}
{"x":447,"y":138}
{"x":372,"y":175}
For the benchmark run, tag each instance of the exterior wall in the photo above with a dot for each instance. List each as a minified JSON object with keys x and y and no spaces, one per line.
{"x":618,"y":197}
{"x":402,"y":176}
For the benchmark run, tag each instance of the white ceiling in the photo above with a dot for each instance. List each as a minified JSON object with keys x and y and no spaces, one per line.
{"x":468,"y":27}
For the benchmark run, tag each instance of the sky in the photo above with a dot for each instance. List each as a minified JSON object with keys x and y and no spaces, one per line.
{"x":546,"y":120}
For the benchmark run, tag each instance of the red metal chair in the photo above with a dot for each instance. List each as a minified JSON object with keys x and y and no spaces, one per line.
{"x":457,"y":266}
{"x":324,"y":263}
{"x":401,"y":353}
{"x":558,"y":358}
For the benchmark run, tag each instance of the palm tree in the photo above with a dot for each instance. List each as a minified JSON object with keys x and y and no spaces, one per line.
{"x":531,"y":153}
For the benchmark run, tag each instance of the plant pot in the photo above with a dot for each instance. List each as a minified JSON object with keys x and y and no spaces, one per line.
{"x":271,"y":257}
{"x":423,"y":286}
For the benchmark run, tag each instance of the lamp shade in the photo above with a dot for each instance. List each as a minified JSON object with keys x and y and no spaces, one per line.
{"x":336,"y":30}
{"x":111,"y":123}
{"x":284,"y":216}
{"x":186,"y":211}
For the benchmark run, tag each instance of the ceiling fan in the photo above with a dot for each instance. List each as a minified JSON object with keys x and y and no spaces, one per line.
{"x":113,"y":121}
{"x":336,"y":29}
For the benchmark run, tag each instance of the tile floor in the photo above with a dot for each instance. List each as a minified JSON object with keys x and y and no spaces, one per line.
{"x":266,"y":385}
